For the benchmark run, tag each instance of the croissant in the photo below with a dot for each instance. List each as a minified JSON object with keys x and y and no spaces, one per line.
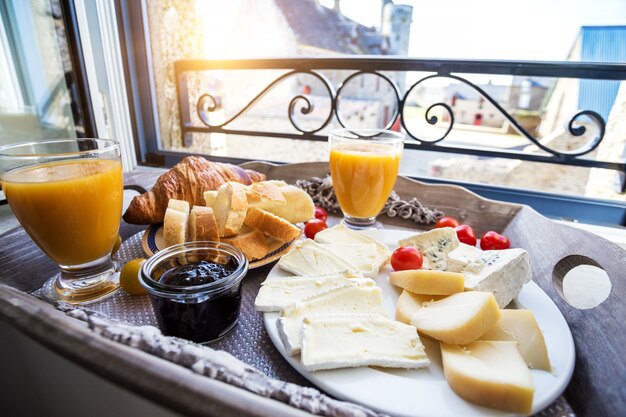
{"x":187,"y":180}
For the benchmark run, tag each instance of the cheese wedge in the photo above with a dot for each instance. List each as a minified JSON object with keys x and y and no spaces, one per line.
{"x":502,"y":272}
{"x":422,"y":281}
{"x":355,"y":297}
{"x":492,"y":374}
{"x":341,"y":235}
{"x":310,"y":258}
{"x":466,"y":258}
{"x":458,"y":319}
{"x":278,"y":293}
{"x":520,"y":326}
{"x":408,"y":304}
{"x":362,"y":256}
{"x":347,"y":341}
{"x":435,"y":245}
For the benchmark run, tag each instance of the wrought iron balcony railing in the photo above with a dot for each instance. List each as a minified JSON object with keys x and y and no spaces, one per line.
{"x":378,"y":67}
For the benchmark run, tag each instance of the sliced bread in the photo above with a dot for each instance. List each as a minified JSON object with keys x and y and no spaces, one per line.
{"x":231,"y":204}
{"x":175,"y":226}
{"x":272,"y":225}
{"x":297,"y":207}
{"x":252,"y":243}
{"x":202,"y":225}
{"x":178,"y":205}
{"x":264,"y":191}
{"x":210,"y":197}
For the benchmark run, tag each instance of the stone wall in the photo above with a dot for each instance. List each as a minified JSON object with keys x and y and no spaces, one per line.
{"x":175,"y":33}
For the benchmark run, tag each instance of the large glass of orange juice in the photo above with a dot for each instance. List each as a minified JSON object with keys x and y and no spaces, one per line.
{"x":68,"y":196}
{"x":364,"y":166}
{"x":70,"y":209}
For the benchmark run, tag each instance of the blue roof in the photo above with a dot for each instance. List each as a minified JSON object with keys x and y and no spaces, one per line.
{"x":601,"y":44}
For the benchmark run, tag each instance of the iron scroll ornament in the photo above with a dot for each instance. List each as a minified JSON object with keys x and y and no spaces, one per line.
{"x":207,"y":103}
{"x":571,"y":126}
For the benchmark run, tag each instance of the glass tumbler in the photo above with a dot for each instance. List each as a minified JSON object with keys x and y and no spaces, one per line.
{"x":364,"y":166}
{"x":68,"y":196}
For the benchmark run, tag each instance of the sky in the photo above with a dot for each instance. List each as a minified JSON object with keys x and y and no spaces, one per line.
{"x":542,"y":30}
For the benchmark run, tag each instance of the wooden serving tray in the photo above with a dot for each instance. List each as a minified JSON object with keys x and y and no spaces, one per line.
{"x":597,"y":387}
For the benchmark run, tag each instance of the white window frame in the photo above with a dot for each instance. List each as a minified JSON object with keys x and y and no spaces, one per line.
{"x":99,"y":36}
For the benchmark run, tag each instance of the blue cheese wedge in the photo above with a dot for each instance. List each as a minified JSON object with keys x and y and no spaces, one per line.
{"x":466,"y":258}
{"x":362,"y":256}
{"x":341,"y":235}
{"x":310,"y":258}
{"x":359,"y":296}
{"x":353,"y":340}
{"x":502,"y":272}
{"x":435,"y":245}
{"x":278,"y":293}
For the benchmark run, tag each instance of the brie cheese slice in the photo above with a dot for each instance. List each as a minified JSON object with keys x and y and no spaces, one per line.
{"x":310,"y":258}
{"x":362,"y":256}
{"x":358,"y":296}
{"x":340,"y":234}
{"x":435,"y":245}
{"x":351,"y":340}
{"x":278,"y":293}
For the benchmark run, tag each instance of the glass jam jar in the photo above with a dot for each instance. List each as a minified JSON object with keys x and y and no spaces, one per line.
{"x":195,"y":289}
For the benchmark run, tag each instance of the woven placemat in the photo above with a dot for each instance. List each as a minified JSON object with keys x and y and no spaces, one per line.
{"x":248,"y":341}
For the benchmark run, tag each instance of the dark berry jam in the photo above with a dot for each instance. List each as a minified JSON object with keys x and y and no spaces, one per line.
{"x":198,"y":273}
{"x":205,"y":317}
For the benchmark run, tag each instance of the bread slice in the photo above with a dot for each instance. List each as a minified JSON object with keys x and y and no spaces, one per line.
{"x":230,"y":208}
{"x":210,"y":197}
{"x":178,"y":205}
{"x":264,"y":191}
{"x":252,"y":243}
{"x":297,"y":207}
{"x":272,"y":225}
{"x":202,"y":225}
{"x":175,"y":227}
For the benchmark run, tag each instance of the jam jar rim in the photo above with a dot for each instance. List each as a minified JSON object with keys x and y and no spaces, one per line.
{"x":176,"y":291}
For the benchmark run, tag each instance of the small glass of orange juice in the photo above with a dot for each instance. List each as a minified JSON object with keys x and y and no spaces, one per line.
{"x":68,"y":196}
{"x":364,"y":166}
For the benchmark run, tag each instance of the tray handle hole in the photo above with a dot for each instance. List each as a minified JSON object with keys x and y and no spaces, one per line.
{"x":581,"y":281}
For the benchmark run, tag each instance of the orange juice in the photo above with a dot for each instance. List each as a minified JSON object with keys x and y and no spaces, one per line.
{"x":363,"y":177}
{"x":71,"y":209}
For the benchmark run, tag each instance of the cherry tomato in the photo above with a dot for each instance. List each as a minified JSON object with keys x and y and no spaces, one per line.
{"x":466,"y":234}
{"x":321,"y":214}
{"x":446,"y":222}
{"x":313,"y":226}
{"x":494,"y":241}
{"x":406,"y":257}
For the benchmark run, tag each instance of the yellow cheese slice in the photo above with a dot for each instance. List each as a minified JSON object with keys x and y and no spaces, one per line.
{"x":520,"y":326}
{"x":488,"y":373}
{"x":421,"y":281}
{"x":458,"y":319}
{"x":408,"y":304}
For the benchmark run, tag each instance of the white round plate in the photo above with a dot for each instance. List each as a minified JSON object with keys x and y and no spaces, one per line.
{"x":424,"y":392}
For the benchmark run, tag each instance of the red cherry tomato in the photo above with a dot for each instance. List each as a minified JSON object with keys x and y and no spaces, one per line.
{"x":446,"y":222}
{"x":321,"y":214}
{"x":494,"y":241}
{"x":313,"y":226}
{"x":466,"y":234}
{"x":406,"y":257}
